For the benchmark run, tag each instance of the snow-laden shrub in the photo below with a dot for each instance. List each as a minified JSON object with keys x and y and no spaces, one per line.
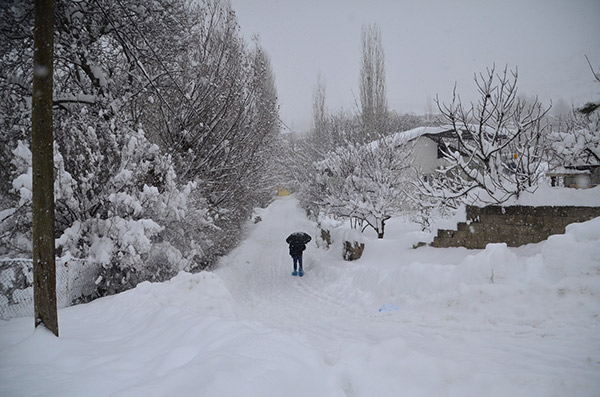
{"x":575,"y":141}
{"x":143,"y":206}
{"x":118,"y":224}
{"x":16,"y":217}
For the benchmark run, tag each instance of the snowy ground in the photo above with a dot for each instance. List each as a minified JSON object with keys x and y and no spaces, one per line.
{"x":493,"y":322}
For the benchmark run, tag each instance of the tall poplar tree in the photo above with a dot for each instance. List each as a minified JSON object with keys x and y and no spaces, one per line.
{"x":373,"y":100}
{"x":319,"y":111}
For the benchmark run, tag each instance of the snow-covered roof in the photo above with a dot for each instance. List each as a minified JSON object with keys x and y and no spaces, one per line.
{"x":566,"y":171}
{"x":407,"y":136}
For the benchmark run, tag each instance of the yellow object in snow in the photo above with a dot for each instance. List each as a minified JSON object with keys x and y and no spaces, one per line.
{"x":283,"y":192}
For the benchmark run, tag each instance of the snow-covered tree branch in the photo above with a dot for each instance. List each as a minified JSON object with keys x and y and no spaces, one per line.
{"x":496,"y":150}
{"x":364,"y":182}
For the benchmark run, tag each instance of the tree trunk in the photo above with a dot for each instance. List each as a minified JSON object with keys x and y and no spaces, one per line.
{"x":42,"y":143}
{"x":381,"y":231}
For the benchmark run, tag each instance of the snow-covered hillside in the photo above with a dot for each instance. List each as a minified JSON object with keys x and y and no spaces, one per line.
{"x":494,"y":322}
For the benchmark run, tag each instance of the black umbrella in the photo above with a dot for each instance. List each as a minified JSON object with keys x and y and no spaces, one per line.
{"x":298,"y":238}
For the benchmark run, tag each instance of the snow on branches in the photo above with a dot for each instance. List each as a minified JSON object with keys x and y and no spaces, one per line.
{"x":139,"y":206}
{"x":576,"y":141}
{"x":496,"y":150}
{"x":364,"y":182}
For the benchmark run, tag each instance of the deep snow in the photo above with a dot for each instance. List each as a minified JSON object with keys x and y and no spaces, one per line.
{"x":495,"y":322}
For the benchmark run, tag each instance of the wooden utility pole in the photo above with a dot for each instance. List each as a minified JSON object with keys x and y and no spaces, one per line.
{"x":42,"y":148}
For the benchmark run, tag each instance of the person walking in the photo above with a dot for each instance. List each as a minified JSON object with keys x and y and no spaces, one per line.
{"x":297,"y":242}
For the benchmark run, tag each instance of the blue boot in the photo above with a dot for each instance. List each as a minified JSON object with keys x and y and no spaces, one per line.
{"x":301,"y":273}
{"x":294,"y":273}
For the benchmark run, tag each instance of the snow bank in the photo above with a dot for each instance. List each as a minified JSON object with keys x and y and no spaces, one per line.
{"x":475,"y":278}
{"x":175,"y":338}
{"x":526,"y":318}
{"x":558,"y":196}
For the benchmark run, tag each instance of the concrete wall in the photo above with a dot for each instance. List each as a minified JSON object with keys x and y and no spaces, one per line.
{"x":514,"y":225}
{"x":424,"y":155}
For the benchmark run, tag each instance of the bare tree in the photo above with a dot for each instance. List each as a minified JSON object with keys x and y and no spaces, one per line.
{"x":429,"y":109}
{"x":496,"y":150}
{"x":591,"y":107}
{"x":320,"y":112}
{"x":44,"y":267}
{"x":373,"y":99}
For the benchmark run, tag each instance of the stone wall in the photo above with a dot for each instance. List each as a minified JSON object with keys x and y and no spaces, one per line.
{"x":514,"y":225}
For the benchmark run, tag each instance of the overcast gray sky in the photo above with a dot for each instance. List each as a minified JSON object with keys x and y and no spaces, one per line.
{"x":429,"y":45}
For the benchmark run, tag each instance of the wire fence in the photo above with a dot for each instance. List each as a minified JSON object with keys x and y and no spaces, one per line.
{"x":75,"y":279}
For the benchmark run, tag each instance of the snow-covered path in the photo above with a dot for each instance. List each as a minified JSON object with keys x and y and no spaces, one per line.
{"x":442,"y":328}
{"x":493,"y":322}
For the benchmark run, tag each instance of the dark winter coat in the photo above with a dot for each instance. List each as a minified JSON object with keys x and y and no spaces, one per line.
{"x":297,"y":242}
